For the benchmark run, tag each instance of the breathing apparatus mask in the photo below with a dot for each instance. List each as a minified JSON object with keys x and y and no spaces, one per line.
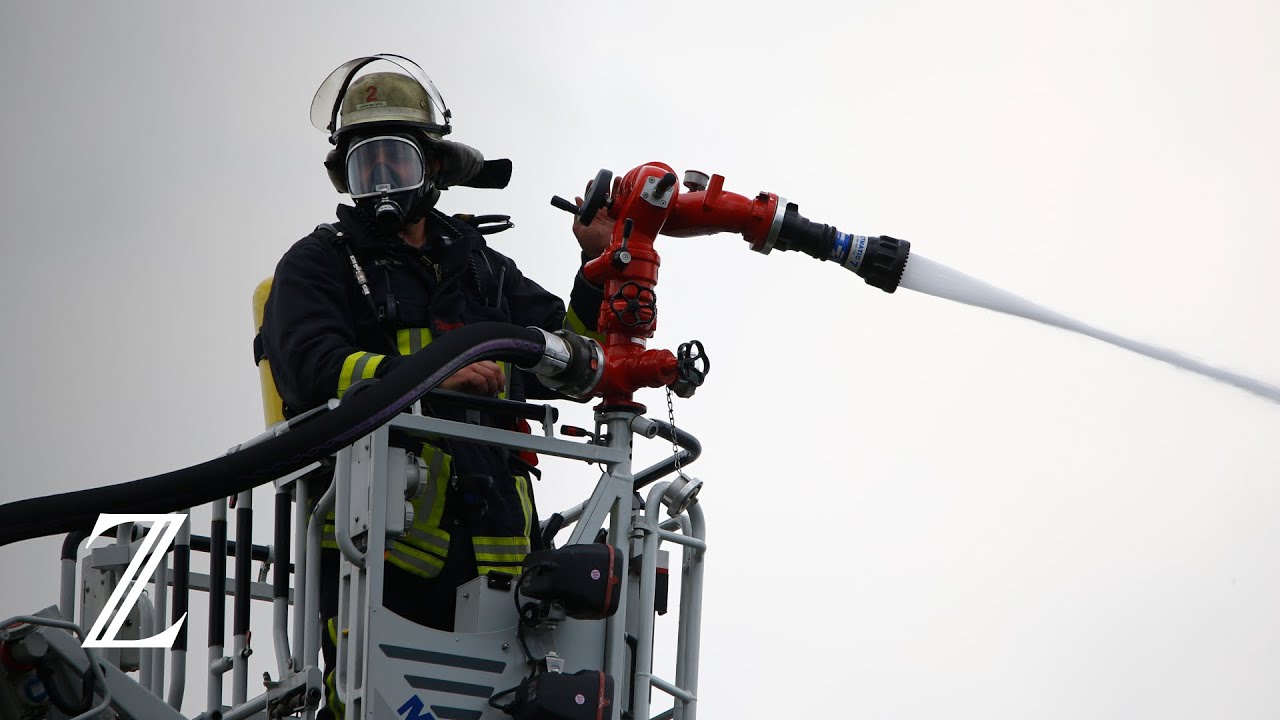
{"x":388,"y":178}
{"x":389,"y":153}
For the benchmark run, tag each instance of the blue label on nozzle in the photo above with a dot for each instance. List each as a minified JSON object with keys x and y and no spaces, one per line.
{"x":840,"y":248}
{"x":859,"y":249}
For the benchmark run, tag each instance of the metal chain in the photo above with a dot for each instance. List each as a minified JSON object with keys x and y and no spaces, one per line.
{"x":671,"y":418}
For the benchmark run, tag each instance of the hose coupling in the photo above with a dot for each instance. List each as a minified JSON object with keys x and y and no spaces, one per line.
{"x":570,"y":363}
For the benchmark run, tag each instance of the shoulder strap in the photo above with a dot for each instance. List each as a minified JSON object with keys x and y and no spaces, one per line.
{"x":327,"y":231}
{"x":490,"y":278}
{"x":330,"y":233}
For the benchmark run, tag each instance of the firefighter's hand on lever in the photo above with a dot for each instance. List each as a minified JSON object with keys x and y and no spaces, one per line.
{"x":595,"y":237}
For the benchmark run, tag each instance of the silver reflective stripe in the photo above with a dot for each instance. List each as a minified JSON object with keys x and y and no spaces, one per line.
{"x":518,"y":547}
{"x":429,"y":506}
{"x":420,"y":566}
{"x":421,"y":538}
{"x":411,"y":340}
{"x":357,"y":371}
{"x":435,"y":465}
{"x":526,"y":505}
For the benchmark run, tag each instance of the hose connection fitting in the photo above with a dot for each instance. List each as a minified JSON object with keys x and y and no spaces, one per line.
{"x":570,"y":363}
{"x":681,"y":493}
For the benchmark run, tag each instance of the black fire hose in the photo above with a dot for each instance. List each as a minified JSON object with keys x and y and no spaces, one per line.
{"x":256,"y":464}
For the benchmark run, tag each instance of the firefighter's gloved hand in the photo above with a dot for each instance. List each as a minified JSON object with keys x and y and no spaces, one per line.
{"x":593,"y":238}
{"x":481,"y":378}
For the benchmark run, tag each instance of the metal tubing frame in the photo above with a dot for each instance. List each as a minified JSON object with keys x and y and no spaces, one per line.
{"x":342,"y":480}
{"x":361,"y":472}
{"x":690,"y":451}
{"x":352,"y":563}
{"x":161,"y":585}
{"x":146,"y":628}
{"x":181,"y":581}
{"x":240,"y":603}
{"x":691,"y":615}
{"x":423,"y":426}
{"x":67,"y":589}
{"x":653,"y":532}
{"x":650,"y":541}
{"x":302,"y":521}
{"x":611,"y":503}
{"x":311,"y":600}
{"x":217,"y":605}
{"x":280,"y":577}
{"x":124,"y":536}
{"x":682,"y":632}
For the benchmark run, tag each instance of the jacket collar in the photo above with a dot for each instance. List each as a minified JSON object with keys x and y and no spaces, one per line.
{"x":448,"y":242}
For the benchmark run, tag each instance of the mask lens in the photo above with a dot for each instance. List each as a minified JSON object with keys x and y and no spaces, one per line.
{"x":383,"y":165}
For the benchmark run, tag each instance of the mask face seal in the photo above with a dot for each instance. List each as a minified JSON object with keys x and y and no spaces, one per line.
{"x":384,"y":165}
{"x":387,"y":176}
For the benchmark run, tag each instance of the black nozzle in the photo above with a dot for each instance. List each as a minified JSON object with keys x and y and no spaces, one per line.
{"x":883,"y":262}
{"x":878,"y":260}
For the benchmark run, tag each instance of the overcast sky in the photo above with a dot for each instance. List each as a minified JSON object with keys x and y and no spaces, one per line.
{"x":916,"y":508}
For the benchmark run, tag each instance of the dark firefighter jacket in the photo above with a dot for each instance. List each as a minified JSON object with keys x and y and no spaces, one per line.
{"x":322,"y":335}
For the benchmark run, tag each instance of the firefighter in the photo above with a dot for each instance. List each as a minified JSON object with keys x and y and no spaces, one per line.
{"x":350,"y":300}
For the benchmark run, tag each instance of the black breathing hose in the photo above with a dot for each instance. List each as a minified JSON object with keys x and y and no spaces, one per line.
{"x":256,"y":464}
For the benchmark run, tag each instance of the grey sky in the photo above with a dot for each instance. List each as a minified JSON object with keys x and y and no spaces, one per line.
{"x":915,"y":508}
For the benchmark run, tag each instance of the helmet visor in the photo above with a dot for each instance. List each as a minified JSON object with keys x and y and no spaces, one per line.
{"x":384,"y":165}
{"x":328,"y":97}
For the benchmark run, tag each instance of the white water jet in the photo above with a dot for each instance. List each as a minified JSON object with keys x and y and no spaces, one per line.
{"x":933,"y":278}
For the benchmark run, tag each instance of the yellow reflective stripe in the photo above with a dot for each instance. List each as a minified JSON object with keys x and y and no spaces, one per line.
{"x":507,"y":558}
{"x":506,"y":375}
{"x":329,"y":533}
{"x":414,"y":561}
{"x":429,"y":506}
{"x":499,"y":550}
{"x":574,"y":323}
{"x":526,"y":504}
{"x":423,"y":548}
{"x":502,"y":541}
{"x":411,"y":340}
{"x":335,"y":705}
{"x":503,"y":552}
{"x":429,"y":539}
{"x":358,"y":366}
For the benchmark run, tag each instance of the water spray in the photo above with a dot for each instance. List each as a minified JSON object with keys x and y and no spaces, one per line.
{"x":933,"y":278}
{"x":646,"y":202}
